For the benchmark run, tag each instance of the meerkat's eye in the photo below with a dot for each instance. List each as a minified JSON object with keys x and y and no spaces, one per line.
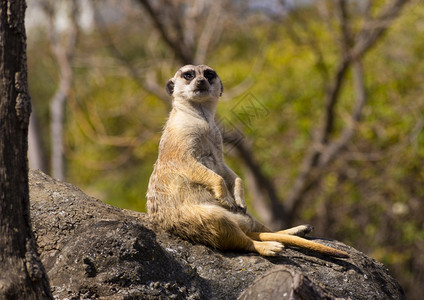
{"x":188,"y":75}
{"x":209,"y":75}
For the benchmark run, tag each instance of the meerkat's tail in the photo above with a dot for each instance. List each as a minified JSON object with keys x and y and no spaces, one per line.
{"x":295,"y":241}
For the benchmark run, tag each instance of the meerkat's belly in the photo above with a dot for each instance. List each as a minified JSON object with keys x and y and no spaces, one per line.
{"x":171,"y":189}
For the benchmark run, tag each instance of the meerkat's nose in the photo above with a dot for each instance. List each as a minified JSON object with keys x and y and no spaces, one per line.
{"x":201,"y":82}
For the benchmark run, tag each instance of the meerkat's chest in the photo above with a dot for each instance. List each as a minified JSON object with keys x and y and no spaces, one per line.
{"x":209,"y":147}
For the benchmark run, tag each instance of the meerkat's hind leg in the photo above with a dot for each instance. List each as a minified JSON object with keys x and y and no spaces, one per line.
{"x":237,"y":239}
{"x":217,"y":227}
{"x":300,"y":230}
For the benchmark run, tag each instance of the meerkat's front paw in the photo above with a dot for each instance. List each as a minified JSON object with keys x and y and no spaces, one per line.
{"x":239,"y":194}
{"x":224,"y":197}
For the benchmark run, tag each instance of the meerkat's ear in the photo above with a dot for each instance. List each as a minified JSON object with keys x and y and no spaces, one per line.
{"x":222,"y":88}
{"x":170,"y":87}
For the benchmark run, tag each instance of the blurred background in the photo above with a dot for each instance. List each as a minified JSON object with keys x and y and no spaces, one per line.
{"x":322,"y":112}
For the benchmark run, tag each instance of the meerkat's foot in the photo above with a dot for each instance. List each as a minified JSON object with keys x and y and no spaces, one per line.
{"x":268,"y":248}
{"x":300,"y":230}
{"x":295,"y":241}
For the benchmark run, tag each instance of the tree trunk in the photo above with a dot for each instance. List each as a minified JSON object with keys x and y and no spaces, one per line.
{"x":22,"y":275}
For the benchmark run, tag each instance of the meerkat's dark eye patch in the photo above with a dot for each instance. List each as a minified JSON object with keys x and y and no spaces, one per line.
{"x":209,"y":75}
{"x":189,"y":75}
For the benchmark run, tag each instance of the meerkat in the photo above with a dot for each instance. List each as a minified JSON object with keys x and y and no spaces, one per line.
{"x":192,"y":192}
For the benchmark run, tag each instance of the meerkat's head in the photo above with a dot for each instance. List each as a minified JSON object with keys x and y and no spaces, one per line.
{"x":195,"y":83}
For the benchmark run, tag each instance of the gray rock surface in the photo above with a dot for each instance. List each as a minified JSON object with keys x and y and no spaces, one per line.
{"x":92,"y":250}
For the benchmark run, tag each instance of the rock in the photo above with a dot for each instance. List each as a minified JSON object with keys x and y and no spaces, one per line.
{"x":92,"y":250}
{"x":287,"y":284}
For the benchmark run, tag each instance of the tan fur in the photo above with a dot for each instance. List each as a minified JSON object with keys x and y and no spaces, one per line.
{"x":192,"y":192}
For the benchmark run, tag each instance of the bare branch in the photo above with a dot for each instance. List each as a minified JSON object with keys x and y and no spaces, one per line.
{"x":333,"y":91}
{"x":338,"y":145}
{"x":324,"y":150}
{"x":63,"y":46}
{"x":148,"y":83}
{"x":182,"y":53}
{"x":210,"y":31}
{"x":94,"y":130}
{"x":375,"y":28}
{"x":310,"y":39}
{"x":332,"y":96}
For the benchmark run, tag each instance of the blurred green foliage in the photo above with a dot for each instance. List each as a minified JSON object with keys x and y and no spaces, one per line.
{"x":371,"y":197}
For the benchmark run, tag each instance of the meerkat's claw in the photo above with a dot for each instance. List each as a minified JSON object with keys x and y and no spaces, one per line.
{"x":242,"y":209}
{"x":228,"y":202}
